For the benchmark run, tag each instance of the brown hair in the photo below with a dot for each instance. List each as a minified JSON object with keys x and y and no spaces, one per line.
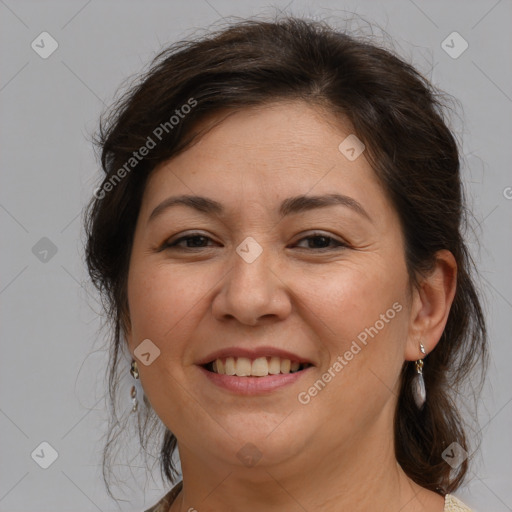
{"x":398,"y":115}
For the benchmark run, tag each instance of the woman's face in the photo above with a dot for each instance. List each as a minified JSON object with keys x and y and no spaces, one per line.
{"x":273,"y":274}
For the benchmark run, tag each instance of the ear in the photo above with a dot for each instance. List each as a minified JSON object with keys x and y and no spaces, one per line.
{"x":431,"y":305}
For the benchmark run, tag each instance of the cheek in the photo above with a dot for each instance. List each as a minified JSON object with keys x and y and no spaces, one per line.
{"x":159,"y":298}
{"x":352,"y":298}
{"x":162,"y":305}
{"x":360,"y":316}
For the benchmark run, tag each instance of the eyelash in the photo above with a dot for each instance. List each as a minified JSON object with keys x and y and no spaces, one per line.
{"x":174,"y":245}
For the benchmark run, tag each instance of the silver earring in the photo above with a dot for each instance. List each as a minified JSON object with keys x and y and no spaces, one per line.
{"x":135,"y":403}
{"x":133,"y":393}
{"x":418,"y":384}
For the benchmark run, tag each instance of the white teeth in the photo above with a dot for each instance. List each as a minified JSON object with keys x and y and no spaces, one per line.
{"x":274,"y":367}
{"x":229,"y":367}
{"x":243,"y":367}
{"x":259,"y":367}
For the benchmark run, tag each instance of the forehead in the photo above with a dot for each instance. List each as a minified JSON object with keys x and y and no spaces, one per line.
{"x":266,"y":152}
{"x":281,"y":129}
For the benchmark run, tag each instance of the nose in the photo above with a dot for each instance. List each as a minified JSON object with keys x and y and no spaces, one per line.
{"x":253,"y":292}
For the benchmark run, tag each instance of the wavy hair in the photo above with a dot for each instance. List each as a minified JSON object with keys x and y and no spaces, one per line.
{"x":400,"y":117}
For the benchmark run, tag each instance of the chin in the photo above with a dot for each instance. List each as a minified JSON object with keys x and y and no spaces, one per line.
{"x":262,"y":444}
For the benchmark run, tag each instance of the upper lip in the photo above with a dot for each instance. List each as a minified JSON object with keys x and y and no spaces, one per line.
{"x":252,"y":353}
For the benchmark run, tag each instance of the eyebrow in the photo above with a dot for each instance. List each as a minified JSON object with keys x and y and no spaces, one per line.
{"x":290,"y":206}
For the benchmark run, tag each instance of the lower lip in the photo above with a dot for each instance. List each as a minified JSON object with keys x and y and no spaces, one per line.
{"x":253,"y":385}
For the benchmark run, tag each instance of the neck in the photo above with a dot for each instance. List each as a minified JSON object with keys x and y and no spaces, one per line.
{"x":360,"y":475}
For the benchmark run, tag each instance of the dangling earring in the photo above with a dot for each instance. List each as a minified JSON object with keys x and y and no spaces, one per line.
{"x":418,"y":384}
{"x":133,"y":393}
{"x":134,"y":370}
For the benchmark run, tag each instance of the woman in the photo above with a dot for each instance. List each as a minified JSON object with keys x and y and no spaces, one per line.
{"x":279,"y":239}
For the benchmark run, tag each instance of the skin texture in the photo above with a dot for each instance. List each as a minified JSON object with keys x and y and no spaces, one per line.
{"x":335,"y":452}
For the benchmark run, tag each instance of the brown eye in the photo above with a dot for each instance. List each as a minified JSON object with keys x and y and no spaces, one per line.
{"x":322,"y":242}
{"x":193,"y":241}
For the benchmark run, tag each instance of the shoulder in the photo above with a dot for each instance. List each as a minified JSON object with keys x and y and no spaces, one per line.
{"x":452,"y":504}
{"x":164,"y":503}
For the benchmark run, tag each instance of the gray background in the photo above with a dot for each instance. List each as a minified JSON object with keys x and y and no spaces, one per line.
{"x":53,"y":357}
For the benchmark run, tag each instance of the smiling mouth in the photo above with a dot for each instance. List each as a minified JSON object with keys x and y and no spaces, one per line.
{"x":259,"y":367}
